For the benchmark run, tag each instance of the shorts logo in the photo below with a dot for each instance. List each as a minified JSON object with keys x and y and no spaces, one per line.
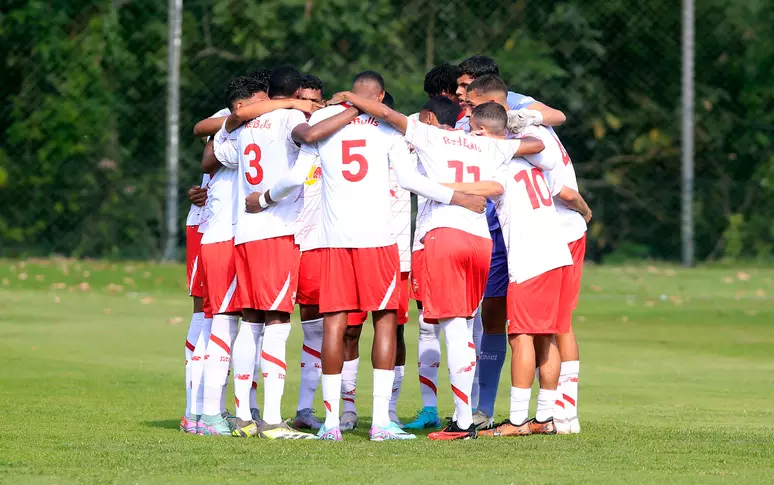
{"x":303,"y":365}
{"x":293,"y":298}
{"x":317,"y":365}
{"x":242,"y":377}
{"x":467,"y":368}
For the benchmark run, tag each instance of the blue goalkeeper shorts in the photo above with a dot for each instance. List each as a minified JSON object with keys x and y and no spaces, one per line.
{"x":497,"y":283}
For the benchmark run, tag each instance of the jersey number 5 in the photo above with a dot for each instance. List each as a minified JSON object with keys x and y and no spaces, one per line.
{"x":347,"y":157}
{"x":535,"y":187}
{"x":255,"y":163}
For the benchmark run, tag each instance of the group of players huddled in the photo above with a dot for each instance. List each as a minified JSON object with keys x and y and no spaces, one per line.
{"x":308,"y":202}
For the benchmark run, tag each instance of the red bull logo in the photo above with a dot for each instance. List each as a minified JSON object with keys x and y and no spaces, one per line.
{"x":314,"y":175}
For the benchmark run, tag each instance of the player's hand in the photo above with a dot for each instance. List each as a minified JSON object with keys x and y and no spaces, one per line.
{"x":474,"y":203}
{"x":339,"y":98}
{"x":197,"y":195}
{"x":307,"y":106}
{"x":587,"y":216}
{"x":252,"y":205}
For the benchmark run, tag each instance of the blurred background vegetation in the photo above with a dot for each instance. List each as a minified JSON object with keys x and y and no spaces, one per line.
{"x":83,"y":104}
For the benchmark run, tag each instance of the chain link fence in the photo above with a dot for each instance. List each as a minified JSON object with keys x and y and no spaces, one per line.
{"x":83,"y":112}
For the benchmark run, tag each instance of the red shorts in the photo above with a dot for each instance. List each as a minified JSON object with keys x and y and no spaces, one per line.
{"x":417,"y":269}
{"x":268,"y":273}
{"x":193,"y":240}
{"x":218,"y":264}
{"x":578,"y":251}
{"x":456,"y":270}
{"x":309,"y":278}
{"x":534,"y":306}
{"x":358,"y":318}
{"x":364,"y":279}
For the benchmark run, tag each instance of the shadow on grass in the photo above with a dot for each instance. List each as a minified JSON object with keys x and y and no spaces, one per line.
{"x":163,"y":423}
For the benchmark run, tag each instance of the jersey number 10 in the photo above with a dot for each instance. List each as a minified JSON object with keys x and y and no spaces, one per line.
{"x":535,"y":186}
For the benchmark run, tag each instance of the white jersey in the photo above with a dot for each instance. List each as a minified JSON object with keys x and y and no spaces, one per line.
{"x":308,"y":223}
{"x":401,"y":221}
{"x":263,"y":151}
{"x":573,"y":224}
{"x":454,"y":156}
{"x":217,"y":216}
{"x":423,"y":215}
{"x":195,"y":212}
{"x":356,"y":161}
{"x":530,"y":224}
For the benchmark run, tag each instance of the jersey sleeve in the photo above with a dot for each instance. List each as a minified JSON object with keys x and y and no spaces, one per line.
{"x":405,"y":168}
{"x":226,"y":147}
{"x":297,"y":175}
{"x":518,"y":101}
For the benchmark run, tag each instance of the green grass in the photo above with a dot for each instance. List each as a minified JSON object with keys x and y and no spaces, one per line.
{"x":676,"y":387}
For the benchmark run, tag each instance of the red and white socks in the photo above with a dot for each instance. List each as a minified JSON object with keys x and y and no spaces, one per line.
{"x":216,"y":362}
{"x":196,"y":364}
{"x":520,"y":398}
{"x":429,"y":351}
{"x":461,"y":358}
{"x":194,"y":329}
{"x":275,"y":337}
{"x":567,"y":398}
{"x":349,"y":384}
{"x":311,"y":366}
{"x":331,"y":391}
{"x":243,"y":359}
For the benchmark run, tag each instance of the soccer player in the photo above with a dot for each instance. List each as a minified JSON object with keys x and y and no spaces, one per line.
{"x":483,"y":86}
{"x":440,"y":111}
{"x":311,"y":88}
{"x":573,"y":214}
{"x":455,"y":263}
{"x":360,"y":261}
{"x":540,"y":275}
{"x":401,"y":227}
{"x":220,"y":278}
{"x":198,"y":196}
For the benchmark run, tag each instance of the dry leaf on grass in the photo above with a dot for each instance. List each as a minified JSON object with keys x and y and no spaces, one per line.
{"x":84,"y":286}
{"x":39,"y":277}
{"x":58,"y":286}
{"x":146,"y":300}
{"x":728,"y":280}
{"x":175,"y":320}
{"x":6,"y":282}
{"x":22,"y":276}
{"x":108,"y":311}
{"x":760,"y":292}
{"x":742,"y":276}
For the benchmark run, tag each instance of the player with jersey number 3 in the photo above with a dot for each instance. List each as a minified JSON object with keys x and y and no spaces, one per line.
{"x":457,"y":244}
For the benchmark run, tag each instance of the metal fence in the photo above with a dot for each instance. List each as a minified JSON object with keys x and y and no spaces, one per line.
{"x":85,"y":96}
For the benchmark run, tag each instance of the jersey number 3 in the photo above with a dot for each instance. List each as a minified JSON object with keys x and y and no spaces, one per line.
{"x":255,"y":163}
{"x":347,"y":157}
{"x":535,"y":186}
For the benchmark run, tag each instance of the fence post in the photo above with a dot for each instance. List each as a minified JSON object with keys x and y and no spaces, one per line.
{"x":686,"y":143}
{"x":174,"y":20}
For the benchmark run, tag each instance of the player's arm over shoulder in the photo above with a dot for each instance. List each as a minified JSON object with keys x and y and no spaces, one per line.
{"x":549,"y":116}
{"x":323,"y":126}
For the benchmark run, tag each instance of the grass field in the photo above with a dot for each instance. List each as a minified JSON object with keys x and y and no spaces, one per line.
{"x":677,"y":381}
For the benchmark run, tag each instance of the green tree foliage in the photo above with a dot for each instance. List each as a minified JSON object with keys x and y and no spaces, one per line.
{"x":83,"y":114}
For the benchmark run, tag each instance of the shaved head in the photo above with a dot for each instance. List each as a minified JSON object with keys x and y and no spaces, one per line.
{"x":369,"y":84}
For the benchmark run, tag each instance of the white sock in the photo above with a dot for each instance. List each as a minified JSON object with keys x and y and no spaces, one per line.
{"x":397,"y":383}
{"x":349,"y":384}
{"x":429,"y":351}
{"x":197,"y":368}
{"x":275,"y":338}
{"x":331,"y":390}
{"x":568,"y":387}
{"x":216,"y":362}
{"x":545,"y":405}
{"x":520,"y":404}
{"x":311,"y":367}
{"x":243,"y":359}
{"x":461,"y":358}
{"x":478,"y":332}
{"x":256,"y":373}
{"x":383,"y":380}
{"x":194,"y":329}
